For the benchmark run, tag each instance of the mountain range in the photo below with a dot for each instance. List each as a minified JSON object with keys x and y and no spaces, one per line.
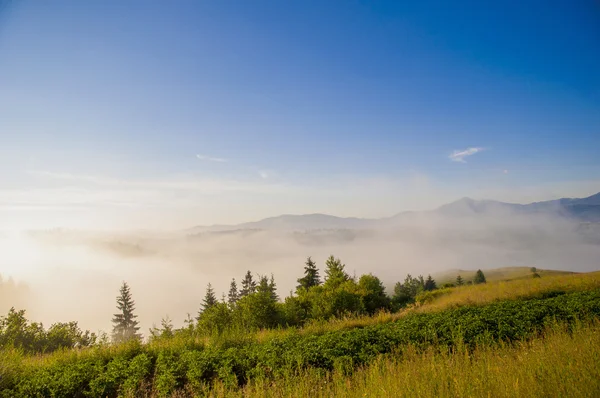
{"x":578,"y":209}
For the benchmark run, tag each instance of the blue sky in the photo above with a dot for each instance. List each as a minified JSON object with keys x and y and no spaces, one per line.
{"x":208,"y":112}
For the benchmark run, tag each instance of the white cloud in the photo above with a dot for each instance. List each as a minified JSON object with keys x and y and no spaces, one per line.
{"x":211,"y":159}
{"x":460,"y":155}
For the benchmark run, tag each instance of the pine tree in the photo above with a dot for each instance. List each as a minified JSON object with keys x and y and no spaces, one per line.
{"x":248,"y":285}
{"x":311,"y":276}
{"x":429,"y":284}
{"x":273,"y":289}
{"x":479,"y":277}
{"x":125,"y":325}
{"x":210,"y":299}
{"x":335,"y":272}
{"x":459,"y":281}
{"x":233,"y":296}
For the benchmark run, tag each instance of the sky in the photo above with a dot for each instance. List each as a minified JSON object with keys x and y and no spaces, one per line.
{"x":137,"y":114}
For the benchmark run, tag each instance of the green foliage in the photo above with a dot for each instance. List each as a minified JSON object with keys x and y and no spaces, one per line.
{"x":429,"y":284}
{"x":425,"y":297}
{"x":459,"y":281}
{"x":233,"y":295}
{"x":215,"y":319}
{"x":536,"y":275}
{"x":165,"y":332}
{"x":335,"y":273}
{"x":210,"y":299}
{"x":311,"y":276}
{"x":125,"y":325}
{"x":121,"y":370}
{"x":479,"y":277}
{"x":373,"y":294}
{"x":405,"y":293}
{"x":17,"y":332}
{"x":257,"y":311}
{"x":533,"y":269}
{"x":248,"y":285}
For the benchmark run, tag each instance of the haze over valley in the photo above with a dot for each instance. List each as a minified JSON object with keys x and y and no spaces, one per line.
{"x":169,"y":270}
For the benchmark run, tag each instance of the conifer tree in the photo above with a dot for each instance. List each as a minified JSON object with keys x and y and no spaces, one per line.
{"x":479,"y":277}
{"x":459,"y":281}
{"x":125,"y":325}
{"x":210,"y":299}
{"x":335,"y":272}
{"x":273,"y":288}
{"x":429,"y":284}
{"x":248,"y":285}
{"x":233,"y":295}
{"x":311,"y":275}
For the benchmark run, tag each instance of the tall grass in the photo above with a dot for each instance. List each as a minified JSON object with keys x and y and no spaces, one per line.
{"x":560,"y":363}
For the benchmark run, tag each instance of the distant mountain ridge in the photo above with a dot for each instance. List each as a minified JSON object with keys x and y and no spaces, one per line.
{"x":580,"y":209}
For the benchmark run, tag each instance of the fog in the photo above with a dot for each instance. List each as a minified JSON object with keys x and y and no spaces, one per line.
{"x":63,"y":275}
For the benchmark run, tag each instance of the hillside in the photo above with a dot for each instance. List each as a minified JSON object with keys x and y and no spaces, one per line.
{"x":532,"y":318}
{"x":496,"y":274}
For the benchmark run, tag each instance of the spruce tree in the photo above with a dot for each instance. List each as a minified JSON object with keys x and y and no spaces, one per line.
{"x":210,"y":299}
{"x":125,"y":325}
{"x":273,"y":289}
{"x":233,"y":295}
{"x":429,"y":284}
{"x":479,"y":277}
{"x":248,"y":285}
{"x":459,"y":281}
{"x":335,"y":272}
{"x":311,"y":276}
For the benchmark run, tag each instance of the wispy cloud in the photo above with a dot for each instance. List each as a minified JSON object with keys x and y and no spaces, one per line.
{"x":211,"y":159}
{"x":460,"y":155}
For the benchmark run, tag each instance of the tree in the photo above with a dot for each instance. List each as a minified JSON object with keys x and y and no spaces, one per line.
{"x":460,"y":281}
{"x":335,"y":272}
{"x":233,"y":295}
{"x":248,"y":285}
{"x":311,"y":276}
{"x":166,"y":331}
{"x":479,"y":277}
{"x":429,"y":284}
{"x":273,"y":288}
{"x":373,"y":294}
{"x":210,"y":298}
{"x":125,"y":325}
{"x":533,"y":270}
{"x":405,"y":293}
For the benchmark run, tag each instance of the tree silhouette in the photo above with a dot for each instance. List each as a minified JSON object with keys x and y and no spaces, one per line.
{"x":248,"y":285}
{"x":233,"y":295}
{"x":311,"y":275}
{"x":479,"y":277}
{"x":429,"y":284}
{"x":459,"y":281}
{"x":210,"y":299}
{"x":125,"y":325}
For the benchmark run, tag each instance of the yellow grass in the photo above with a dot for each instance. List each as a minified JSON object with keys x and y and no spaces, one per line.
{"x":513,"y":290}
{"x":560,"y":364}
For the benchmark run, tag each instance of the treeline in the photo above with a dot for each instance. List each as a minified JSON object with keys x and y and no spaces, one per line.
{"x":252,"y":305}
{"x":256,"y":305}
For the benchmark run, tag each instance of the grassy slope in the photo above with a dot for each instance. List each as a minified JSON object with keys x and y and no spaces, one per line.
{"x":559,"y":364}
{"x":496,"y":274}
{"x":451,"y":366}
